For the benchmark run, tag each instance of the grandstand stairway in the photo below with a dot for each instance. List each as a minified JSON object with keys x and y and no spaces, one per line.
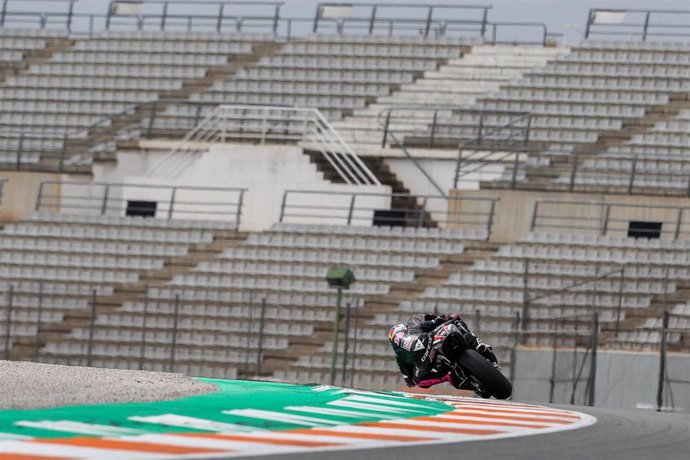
{"x":540,"y":175}
{"x":23,"y":347}
{"x":142,"y":113}
{"x":53,"y":45}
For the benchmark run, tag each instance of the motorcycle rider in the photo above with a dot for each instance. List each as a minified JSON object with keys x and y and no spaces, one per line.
{"x":415,"y":356}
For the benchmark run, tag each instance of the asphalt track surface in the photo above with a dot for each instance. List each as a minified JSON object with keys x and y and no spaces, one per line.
{"x":617,"y":435}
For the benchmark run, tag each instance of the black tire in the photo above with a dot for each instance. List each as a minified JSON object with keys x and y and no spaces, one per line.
{"x":491,"y":378}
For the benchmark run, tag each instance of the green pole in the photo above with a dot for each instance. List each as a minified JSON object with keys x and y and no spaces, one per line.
{"x":336,"y":327}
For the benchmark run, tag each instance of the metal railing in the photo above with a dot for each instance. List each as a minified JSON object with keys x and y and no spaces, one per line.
{"x":268,"y":124}
{"x":604,"y":218}
{"x":638,"y":23}
{"x":77,"y":145}
{"x":632,"y":174}
{"x":454,"y":125}
{"x":161,"y":201}
{"x":664,"y":395}
{"x":156,"y":324}
{"x":381,"y":19}
{"x":393,"y":209}
{"x":2,"y":188}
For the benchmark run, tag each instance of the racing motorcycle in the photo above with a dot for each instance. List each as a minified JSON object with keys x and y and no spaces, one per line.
{"x":456,"y":356}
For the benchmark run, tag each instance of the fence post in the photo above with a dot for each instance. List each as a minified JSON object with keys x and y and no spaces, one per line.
{"x":513,"y":178}
{"x":662,"y":363}
{"x":142,"y":353}
{"x":619,"y":308}
{"x":282,"y":207}
{"x":490,"y":223}
{"x":592,"y":380}
{"x":678,"y":224}
{"x":351,"y":211}
{"x":354,"y":344}
{"x":172,"y":202}
{"x":8,"y":326}
{"x":173,"y":344}
{"x":525,"y":296}
{"x":152,"y":118}
{"x":63,"y":153}
{"x":20,"y":150}
{"x":385,"y":129}
{"x":595,"y":292}
{"x":480,"y":129}
{"x":433,"y":129}
{"x":533,"y":221}
{"x":249,"y":332}
{"x":605,"y":222}
{"x":552,"y":380}
{"x":456,"y":179}
{"x":646,"y":25}
{"x":513,"y":351}
{"x":573,"y":172}
{"x":92,"y":326}
{"x":633,"y":169}
{"x":346,"y":344}
{"x":39,"y":197}
{"x":104,"y":205}
{"x":260,"y":352}
{"x":37,"y":344}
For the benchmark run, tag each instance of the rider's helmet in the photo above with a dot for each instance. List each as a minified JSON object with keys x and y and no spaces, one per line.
{"x":395,"y":331}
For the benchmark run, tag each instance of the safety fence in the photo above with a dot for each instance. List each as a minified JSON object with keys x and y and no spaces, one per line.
{"x":381,"y":19}
{"x":389,"y":209}
{"x":144,"y":200}
{"x":170,"y":329}
{"x":272,"y":124}
{"x":640,"y":24}
{"x":599,"y":218}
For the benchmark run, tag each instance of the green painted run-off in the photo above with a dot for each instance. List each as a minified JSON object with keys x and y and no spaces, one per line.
{"x":231,"y":395}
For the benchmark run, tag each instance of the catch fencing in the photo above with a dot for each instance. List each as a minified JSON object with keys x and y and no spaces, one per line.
{"x":220,"y":338}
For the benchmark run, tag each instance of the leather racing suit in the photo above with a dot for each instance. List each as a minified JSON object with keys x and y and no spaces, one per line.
{"x":414,"y":355}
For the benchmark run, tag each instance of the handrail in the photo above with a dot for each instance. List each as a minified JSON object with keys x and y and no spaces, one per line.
{"x":525,"y":141}
{"x":424,"y":24}
{"x":2,"y":186}
{"x":566,"y":215}
{"x":388,"y":132}
{"x":631,"y":177}
{"x":609,"y":21}
{"x":189,"y":206}
{"x":358,"y":208}
{"x":257,"y":122}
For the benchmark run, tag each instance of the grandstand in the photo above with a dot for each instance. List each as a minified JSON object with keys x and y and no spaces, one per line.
{"x":175,"y":186}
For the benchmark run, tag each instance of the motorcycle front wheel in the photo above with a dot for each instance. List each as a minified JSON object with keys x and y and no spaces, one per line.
{"x":492,"y":381}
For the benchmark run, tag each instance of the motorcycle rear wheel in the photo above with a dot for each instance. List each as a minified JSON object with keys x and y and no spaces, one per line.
{"x":491,"y":379}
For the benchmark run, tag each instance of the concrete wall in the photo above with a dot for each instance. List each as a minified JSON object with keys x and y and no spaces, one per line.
{"x":624,"y":379}
{"x":20,"y":192}
{"x":442,"y":171}
{"x":265,"y":170}
{"x":514,"y":210}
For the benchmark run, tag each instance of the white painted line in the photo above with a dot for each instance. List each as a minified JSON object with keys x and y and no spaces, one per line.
{"x":7,"y":436}
{"x":370,"y":407}
{"x":67,"y":426}
{"x":232,"y":447}
{"x":336,"y":412}
{"x":281,"y":417}
{"x":183,"y":421}
{"x":55,"y":450}
{"x":365,"y":399}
